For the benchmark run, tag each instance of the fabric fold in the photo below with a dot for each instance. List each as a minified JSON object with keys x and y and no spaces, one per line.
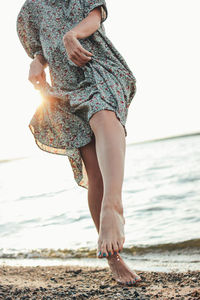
{"x":60,"y":124}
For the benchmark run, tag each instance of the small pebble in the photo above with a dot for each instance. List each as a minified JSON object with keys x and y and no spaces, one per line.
{"x":104,"y":286}
{"x":136,"y":294}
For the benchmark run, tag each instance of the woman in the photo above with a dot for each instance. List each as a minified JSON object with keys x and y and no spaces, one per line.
{"x":84,"y":111}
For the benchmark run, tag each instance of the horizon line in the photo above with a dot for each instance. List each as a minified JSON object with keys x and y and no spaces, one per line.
{"x":166,"y":138}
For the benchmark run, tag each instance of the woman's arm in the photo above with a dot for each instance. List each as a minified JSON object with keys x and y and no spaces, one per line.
{"x":85,"y":28}
{"x":37,"y":75}
{"x":88,"y":25}
{"x":41,"y":59}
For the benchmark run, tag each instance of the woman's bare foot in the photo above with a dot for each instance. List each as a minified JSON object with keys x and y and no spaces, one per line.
{"x":111,"y":233}
{"x":121,"y":272}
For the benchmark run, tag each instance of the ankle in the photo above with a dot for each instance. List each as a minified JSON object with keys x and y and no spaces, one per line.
{"x":113,"y":257}
{"x":113,"y":205}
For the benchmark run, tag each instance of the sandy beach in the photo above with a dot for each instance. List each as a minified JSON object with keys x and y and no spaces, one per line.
{"x":73,"y":282}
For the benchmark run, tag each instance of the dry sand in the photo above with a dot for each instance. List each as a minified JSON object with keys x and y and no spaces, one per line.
{"x":67,"y":282}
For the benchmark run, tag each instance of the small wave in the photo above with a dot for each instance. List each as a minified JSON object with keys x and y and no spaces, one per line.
{"x":157,"y":208}
{"x":185,"y":245}
{"x":12,"y":159}
{"x":48,"y":253}
{"x":43,"y":195}
{"x":157,"y":168}
{"x":188,"y":179}
{"x":84,"y":252}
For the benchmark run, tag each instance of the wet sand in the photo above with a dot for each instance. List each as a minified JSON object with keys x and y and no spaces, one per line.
{"x":72,"y":282}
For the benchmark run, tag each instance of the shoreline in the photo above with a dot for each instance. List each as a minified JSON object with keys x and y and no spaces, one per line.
{"x":166,"y":262}
{"x":78,"y":282}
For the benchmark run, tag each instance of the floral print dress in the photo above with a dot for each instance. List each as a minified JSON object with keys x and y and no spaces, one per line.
{"x":60,"y":123}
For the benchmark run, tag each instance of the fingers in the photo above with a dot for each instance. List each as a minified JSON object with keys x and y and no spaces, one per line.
{"x":77,"y":62}
{"x":87,"y":53}
{"x":79,"y":59}
{"x":38,"y":81}
{"x":83,"y":57}
{"x":37,"y":75}
{"x":76,"y":52}
{"x":43,"y":75}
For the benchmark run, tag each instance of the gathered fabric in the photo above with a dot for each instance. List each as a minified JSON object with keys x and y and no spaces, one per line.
{"x":60,"y":124}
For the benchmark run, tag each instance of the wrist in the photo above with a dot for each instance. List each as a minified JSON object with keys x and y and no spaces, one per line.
{"x":72,"y":34}
{"x":36,"y":64}
{"x":40,"y":59}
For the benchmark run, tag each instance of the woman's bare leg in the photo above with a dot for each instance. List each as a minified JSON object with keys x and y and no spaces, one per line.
{"x":95,"y":182}
{"x":110,"y":148}
{"x":119,"y":269}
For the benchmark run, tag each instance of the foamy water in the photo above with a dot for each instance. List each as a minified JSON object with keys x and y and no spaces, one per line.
{"x":44,"y":216}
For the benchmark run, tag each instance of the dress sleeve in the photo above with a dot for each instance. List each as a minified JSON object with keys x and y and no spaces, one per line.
{"x":89,"y":5}
{"x":28,"y":31}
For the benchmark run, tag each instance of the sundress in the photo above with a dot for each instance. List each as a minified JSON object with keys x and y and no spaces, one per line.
{"x":60,"y":124}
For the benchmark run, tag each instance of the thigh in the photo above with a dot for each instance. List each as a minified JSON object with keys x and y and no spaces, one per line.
{"x":102,"y":116}
{"x":105,"y":119}
{"x":89,"y":156}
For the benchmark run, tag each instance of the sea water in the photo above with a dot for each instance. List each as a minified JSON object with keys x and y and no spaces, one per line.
{"x":45,"y":219}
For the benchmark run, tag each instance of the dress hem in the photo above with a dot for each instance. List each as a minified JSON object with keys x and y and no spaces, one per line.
{"x":82,"y":181}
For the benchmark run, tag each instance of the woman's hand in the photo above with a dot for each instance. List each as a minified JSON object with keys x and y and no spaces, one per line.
{"x":75,"y":51}
{"x":37,"y":75}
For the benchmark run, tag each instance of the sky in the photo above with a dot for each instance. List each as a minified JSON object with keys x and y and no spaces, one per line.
{"x":159,"y":41}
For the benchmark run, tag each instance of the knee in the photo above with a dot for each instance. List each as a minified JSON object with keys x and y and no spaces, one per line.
{"x":102,"y":118}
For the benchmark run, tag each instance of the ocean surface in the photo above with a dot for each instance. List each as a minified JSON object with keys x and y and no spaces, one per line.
{"x":45,"y":219}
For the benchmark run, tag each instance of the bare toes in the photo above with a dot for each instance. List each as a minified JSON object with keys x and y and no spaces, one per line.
{"x":99,"y":252}
{"x":109,"y":249}
{"x":138,"y":278}
{"x":135,"y":278}
{"x":120,"y":246}
{"x":104,"y":249}
{"x":131,"y":282}
{"x":115,"y":247}
{"x":126,"y":281}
